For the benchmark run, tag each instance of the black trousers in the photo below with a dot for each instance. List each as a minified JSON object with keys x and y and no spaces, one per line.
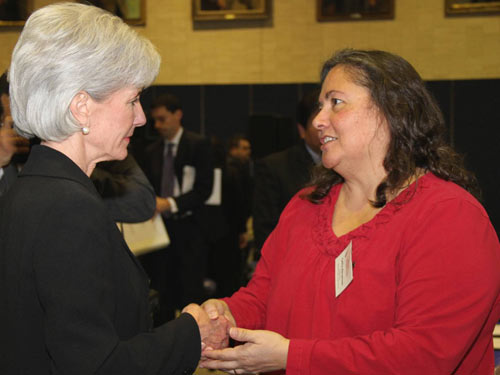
{"x":225,"y":265}
{"x":177,"y":271}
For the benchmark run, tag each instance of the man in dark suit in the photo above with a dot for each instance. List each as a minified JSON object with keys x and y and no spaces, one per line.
{"x":8,"y":175}
{"x":179,"y":166}
{"x":239,"y":171}
{"x":10,"y":142}
{"x":226,"y":232}
{"x":8,"y":147}
{"x":279,"y":176}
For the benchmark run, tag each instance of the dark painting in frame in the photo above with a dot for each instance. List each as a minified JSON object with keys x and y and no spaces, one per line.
{"x":229,"y":10}
{"x":471,"y":7}
{"x":132,"y":12}
{"x":16,"y":12}
{"x":354,"y":10}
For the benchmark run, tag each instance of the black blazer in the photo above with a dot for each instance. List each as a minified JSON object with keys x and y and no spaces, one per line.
{"x":278,"y":177}
{"x":194,"y":151}
{"x":127,"y":193}
{"x":73,"y":296}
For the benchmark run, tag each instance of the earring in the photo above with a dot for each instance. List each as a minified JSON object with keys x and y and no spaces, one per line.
{"x":85,"y":130}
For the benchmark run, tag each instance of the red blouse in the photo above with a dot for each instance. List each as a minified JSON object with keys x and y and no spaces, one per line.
{"x":424,"y":297}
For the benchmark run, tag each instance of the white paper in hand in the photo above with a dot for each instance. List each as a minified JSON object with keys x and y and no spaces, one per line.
{"x":145,"y":237}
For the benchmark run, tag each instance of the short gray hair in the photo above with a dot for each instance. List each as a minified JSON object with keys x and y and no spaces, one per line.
{"x":66,"y":48}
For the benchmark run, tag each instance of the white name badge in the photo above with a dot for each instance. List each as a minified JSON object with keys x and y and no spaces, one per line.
{"x":343,"y":270}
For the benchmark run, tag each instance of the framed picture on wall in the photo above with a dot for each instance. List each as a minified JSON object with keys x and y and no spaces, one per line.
{"x":471,"y":7}
{"x":354,"y":10}
{"x":16,"y":12}
{"x":133,"y":12}
{"x":215,"y":10}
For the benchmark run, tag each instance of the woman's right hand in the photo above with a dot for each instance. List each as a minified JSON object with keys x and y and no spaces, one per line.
{"x":221,"y":321}
{"x":216,"y":307}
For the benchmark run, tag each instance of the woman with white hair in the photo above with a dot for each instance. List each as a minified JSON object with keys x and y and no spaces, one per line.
{"x":73,"y":296}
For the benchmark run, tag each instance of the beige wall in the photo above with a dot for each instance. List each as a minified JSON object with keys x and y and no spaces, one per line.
{"x":293,"y":47}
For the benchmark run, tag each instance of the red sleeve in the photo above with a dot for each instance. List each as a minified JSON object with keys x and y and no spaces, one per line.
{"x":446,"y":304}
{"x":248,"y":305}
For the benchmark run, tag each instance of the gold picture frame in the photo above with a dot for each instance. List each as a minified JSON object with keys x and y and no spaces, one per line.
{"x":14,"y":13}
{"x":470,"y":7}
{"x":230,"y":10}
{"x":354,"y":10}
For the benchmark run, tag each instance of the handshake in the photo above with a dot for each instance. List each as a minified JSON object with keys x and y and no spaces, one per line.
{"x":260,"y":350}
{"x":214,"y":321}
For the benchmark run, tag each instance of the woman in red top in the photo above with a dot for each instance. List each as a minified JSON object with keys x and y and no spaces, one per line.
{"x":387,"y":264}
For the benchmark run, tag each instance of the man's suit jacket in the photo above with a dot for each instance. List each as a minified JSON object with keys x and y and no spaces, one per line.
{"x":126,"y":191}
{"x":74,"y":298}
{"x":278,"y":177}
{"x":8,"y":178}
{"x":193,"y":151}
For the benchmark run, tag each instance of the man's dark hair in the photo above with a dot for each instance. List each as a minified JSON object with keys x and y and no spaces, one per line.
{"x":169,"y":101}
{"x":234,"y":141}
{"x":307,"y":107}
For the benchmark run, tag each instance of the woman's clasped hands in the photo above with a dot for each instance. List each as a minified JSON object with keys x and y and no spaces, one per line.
{"x":257,"y":350}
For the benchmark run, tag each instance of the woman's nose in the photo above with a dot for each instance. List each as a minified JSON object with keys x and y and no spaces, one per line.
{"x":318,"y":121}
{"x":140,"y":117}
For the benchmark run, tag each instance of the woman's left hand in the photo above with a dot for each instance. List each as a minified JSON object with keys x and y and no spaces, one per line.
{"x":261,"y":351}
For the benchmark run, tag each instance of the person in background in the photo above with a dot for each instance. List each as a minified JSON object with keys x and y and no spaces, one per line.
{"x":239,"y":148}
{"x":75,"y":299}
{"x":387,"y":264}
{"x":180,"y":168}
{"x":10,"y":142}
{"x":225,"y":225}
{"x":279,"y":176}
{"x":126,"y":191}
{"x":239,"y":170}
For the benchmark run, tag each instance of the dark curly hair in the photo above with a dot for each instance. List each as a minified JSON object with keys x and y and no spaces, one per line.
{"x":416,"y":125}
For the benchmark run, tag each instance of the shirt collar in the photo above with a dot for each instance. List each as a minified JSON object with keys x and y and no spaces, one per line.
{"x":175,"y":141}
{"x":314,"y":155}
